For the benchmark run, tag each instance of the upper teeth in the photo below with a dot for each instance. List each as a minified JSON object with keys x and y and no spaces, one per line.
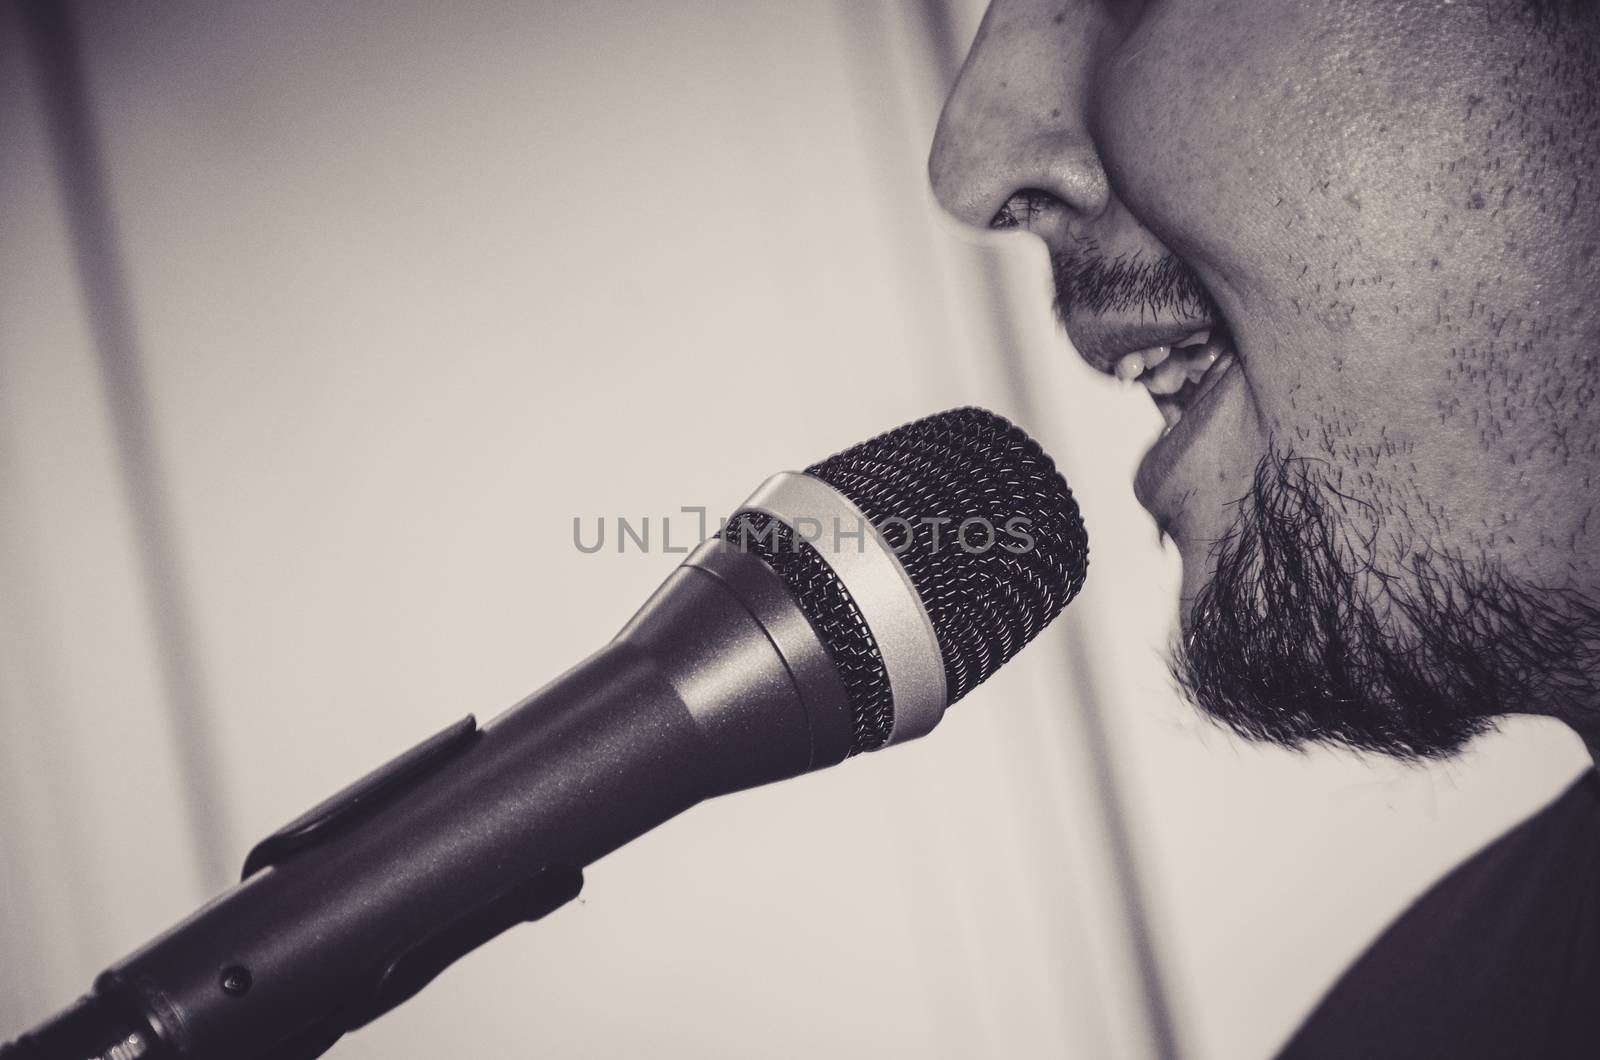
{"x":1133,"y":365}
{"x":1164,"y":373}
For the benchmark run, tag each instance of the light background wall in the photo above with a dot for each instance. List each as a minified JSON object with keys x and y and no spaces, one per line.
{"x":413,"y":285}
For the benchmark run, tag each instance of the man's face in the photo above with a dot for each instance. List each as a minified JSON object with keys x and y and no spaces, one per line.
{"x":1384,"y":213}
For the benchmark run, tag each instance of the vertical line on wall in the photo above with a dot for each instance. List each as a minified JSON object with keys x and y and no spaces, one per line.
{"x":53,"y":40}
{"x":938,"y":27}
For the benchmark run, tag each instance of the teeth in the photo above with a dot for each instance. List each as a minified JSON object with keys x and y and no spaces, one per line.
{"x":1133,"y":365}
{"x":1166,"y":370}
{"x":1168,"y":377}
{"x":1199,"y":365}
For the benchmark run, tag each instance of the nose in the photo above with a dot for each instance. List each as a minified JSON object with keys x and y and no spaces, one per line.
{"x":1016,"y":120}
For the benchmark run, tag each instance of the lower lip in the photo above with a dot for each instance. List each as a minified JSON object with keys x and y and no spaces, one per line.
{"x":1163,"y":457}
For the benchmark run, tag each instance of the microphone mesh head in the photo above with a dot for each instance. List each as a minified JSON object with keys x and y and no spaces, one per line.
{"x":983,"y":524}
{"x":976,"y":470}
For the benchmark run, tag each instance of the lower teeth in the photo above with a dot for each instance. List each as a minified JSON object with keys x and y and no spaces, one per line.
{"x":1201,"y":365}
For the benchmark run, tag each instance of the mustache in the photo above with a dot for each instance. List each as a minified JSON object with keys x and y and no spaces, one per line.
{"x":1088,"y":281}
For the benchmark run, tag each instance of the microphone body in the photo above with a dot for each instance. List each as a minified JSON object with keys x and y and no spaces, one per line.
{"x":719,"y":683}
{"x":775,"y":649}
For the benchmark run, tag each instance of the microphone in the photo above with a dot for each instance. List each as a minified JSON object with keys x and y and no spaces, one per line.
{"x":838,"y":611}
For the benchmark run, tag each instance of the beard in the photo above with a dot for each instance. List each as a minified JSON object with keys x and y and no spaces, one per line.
{"x":1300,"y":637}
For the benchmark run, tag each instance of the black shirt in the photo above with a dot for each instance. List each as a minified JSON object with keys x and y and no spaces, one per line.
{"x":1501,"y":958}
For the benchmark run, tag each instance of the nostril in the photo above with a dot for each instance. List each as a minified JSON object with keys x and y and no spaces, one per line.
{"x":1023,"y":208}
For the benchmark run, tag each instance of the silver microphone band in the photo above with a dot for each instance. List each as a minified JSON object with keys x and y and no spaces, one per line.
{"x":882,"y":591}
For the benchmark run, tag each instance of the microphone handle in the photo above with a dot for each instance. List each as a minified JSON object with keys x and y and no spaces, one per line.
{"x":719,"y":683}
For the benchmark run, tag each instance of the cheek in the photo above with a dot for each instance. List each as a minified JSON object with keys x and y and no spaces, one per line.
{"x":1213,"y":139}
{"x":1223,"y":134}
{"x":1197,"y":115}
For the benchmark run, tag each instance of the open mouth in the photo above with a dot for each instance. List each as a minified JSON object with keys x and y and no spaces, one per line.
{"x":1178,"y":376}
{"x":1181,"y":379}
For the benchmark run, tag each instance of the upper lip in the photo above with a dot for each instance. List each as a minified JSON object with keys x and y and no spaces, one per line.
{"x":1104,"y":342}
